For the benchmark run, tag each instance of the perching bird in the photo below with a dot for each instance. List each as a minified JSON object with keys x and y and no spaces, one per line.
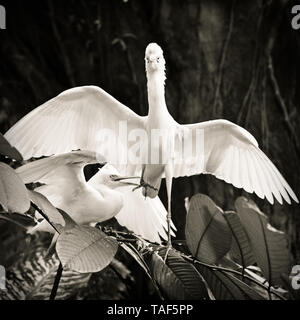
{"x":97,"y":200}
{"x":76,"y":119}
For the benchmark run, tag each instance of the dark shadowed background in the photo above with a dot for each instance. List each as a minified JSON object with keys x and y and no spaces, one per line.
{"x":237,"y":60}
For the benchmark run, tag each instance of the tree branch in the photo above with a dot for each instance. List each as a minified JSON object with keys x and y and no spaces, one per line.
{"x":217,"y":100}
{"x":61,"y":46}
{"x":281,"y":102}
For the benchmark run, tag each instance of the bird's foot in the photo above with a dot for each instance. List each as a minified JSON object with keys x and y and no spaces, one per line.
{"x":144,"y":184}
{"x":168,"y":248}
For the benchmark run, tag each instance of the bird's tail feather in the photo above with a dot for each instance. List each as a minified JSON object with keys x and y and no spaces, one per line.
{"x":145,"y":217}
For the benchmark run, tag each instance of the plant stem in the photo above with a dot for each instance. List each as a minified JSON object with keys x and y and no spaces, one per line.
{"x":56,"y":281}
{"x":44,"y":216}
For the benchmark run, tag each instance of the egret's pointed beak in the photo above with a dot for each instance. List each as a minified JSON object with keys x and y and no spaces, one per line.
{"x":121,"y":179}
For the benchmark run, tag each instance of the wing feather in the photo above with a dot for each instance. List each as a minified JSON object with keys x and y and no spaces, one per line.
{"x":265,"y":163}
{"x":144,"y":216}
{"x":62,"y":168}
{"x":244,"y":172}
{"x":232,"y":154}
{"x":261,"y":174}
{"x":73,"y":120}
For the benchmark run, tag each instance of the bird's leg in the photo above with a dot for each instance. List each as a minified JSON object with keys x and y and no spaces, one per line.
{"x":169,"y":177}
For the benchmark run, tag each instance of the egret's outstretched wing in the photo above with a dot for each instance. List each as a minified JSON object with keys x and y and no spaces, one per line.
{"x":61,"y":169}
{"x":73,"y":120}
{"x":145,"y":217}
{"x":61,"y":175}
{"x":231,"y":153}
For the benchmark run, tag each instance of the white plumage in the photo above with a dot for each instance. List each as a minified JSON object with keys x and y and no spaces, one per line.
{"x":72,"y":120}
{"x":97,"y":200}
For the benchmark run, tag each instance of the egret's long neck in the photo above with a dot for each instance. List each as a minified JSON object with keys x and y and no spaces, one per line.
{"x":156,"y":93}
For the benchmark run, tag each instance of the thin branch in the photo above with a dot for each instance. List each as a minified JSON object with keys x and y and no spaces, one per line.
{"x":61,"y":46}
{"x":281,"y":102}
{"x":217,"y":100}
{"x":274,"y":82}
{"x":264,"y":118}
{"x":44,"y":216}
{"x":253,"y":81}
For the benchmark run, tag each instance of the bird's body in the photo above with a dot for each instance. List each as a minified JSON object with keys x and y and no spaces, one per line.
{"x":76,"y":118}
{"x":100,"y":203}
{"x":160,"y":150}
{"x":96,"y":200}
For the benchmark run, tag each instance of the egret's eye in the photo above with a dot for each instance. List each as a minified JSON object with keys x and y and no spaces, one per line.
{"x":157,"y":59}
{"x":147,"y":59}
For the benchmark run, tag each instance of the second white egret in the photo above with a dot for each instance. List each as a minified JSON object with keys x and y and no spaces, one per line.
{"x":99,"y":199}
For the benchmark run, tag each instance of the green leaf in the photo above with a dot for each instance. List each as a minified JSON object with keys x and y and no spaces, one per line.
{"x":207,"y":233}
{"x":241,"y":250}
{"x":85,"y":249}
{"x":13,"y":193}
{"x":225,"y":286}
{"x":7,"y":150}
{"x":178,"y":279}
{"x":269,"y":245}
{"x":32,"y":278}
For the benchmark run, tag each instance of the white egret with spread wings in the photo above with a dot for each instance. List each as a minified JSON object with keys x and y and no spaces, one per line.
{"x":74,"y":118}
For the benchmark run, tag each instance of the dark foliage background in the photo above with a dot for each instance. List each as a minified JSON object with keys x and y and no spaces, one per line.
{"x":237,"y":60}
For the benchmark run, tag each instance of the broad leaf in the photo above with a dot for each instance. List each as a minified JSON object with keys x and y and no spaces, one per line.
{"x":20,"y":220}
{"x":178,"y":279}
{"x":7,"y":150}
{"x":129,"y":248}
{"x":47,"y":208}
{"x":252,"y":279}
{"x":207,"y":233}
{"x":85,"y":249}
{"x":269,"y":245}
{"x":13,"y":193}
{"x":32,"y":277}
{"x":241,"y":250}
{"x":225,"y":286}
{"x":136,"y":256}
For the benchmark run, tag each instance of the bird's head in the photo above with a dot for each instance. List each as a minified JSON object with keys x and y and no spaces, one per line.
{"x":154,"y":60}
{"x":105,"y":174}
{"x":109,"y":176}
